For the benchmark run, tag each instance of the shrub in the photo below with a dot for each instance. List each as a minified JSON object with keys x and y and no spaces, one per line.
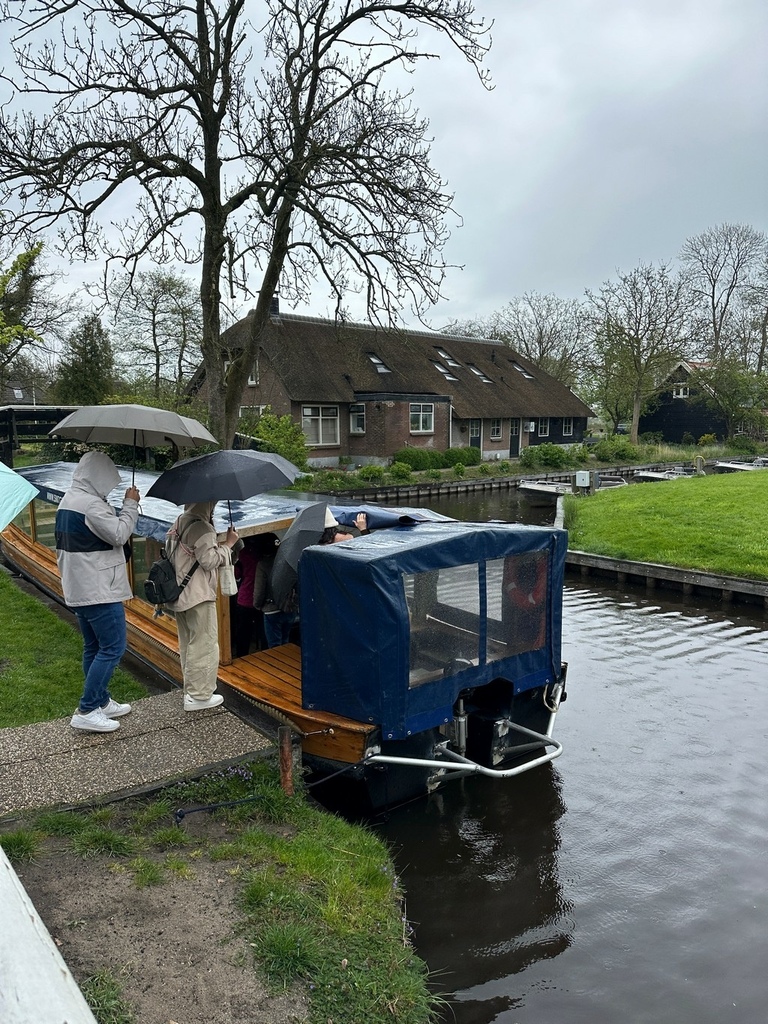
{"x":707,"y":439}
{"x":742,"y":443}
{"x":462,"y":456}
{"x":580,"y":453}
{"x":415,"y":458}
{"x":688,"y":438}
{"x":433,"y":474}
{"x":504,"y":467}
{"x":529,"y":457}
{"x":484,"y":469}
{"x":552,"y":455}
{"x":616,"y":449}
{"x":371,"y":473}
{"x":459,"y":470}
{"x":399,"y":471}
{"x":652,"y":437}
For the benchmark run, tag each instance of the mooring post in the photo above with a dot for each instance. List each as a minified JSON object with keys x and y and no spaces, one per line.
{"x":286,"y":759}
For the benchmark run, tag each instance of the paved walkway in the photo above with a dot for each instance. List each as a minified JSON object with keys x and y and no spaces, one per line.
{"x":51,"y":764}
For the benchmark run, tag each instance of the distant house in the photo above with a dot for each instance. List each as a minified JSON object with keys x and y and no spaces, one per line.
{"x":361,"y":393}
{"x":678,"y":409}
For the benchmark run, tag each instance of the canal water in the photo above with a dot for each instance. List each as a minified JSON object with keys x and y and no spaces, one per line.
{"x":628,"y":880}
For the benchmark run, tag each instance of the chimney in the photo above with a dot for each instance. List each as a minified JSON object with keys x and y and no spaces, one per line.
{"x":274,"y":306}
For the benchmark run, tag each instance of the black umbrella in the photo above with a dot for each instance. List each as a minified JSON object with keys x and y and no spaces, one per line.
{"x":227,"y":475}
{"x":307,"y":528}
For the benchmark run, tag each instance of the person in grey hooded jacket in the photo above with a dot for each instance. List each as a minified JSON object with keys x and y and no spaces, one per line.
{"x":90,"y":539}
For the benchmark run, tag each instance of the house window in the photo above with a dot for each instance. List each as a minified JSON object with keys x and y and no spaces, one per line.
{"x":680,"y":391}
{"x":474,"y":428}
{"x":567,"y":426}
{"x":381,"y":366}
{"x":252,"y":410}
{"x":521,"y":369}
{"x":18,"y":394}
{"x":320,"y":423}
{"x":514,"y":428}
{"x":544,"y":426}
{"x":357,"y":419}
{"x":422,"y":418}
{"x":253,"y":377}
{"x":495,"y":430}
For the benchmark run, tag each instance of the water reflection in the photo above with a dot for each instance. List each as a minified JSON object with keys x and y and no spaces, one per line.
{"x":494,"y":894}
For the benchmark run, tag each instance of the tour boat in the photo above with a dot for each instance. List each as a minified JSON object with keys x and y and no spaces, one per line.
{"x":429,"y":649}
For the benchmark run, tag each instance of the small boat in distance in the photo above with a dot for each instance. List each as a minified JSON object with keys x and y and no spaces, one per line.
{"x":738,"y":467}
{"x":429,"y":649}
{"x":541,"y":493}
{"x":651,"y":475}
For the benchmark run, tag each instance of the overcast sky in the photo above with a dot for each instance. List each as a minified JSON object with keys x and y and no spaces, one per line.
{"x":616,"y":130}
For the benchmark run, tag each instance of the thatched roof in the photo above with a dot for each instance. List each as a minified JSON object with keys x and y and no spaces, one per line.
{"x":323,"y":361}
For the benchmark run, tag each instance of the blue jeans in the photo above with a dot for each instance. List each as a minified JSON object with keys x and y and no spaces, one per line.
{"x":277,"y":627}
{"x":104,"y":642}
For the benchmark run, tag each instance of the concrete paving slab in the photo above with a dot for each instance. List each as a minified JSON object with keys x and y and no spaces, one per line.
{"x":51,"y":764}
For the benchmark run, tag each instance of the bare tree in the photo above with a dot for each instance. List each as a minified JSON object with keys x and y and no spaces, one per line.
{"x":721,"y":262}
{"x":157,"y":329}
{"x":550,"y":331}
{"x":640,"y":323}
{"x":267,"y":167}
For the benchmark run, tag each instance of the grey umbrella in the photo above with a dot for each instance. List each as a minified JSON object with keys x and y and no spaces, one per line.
{"x":227,"y":475}
{"x":307,"y":528}
{"x":139,"y":425}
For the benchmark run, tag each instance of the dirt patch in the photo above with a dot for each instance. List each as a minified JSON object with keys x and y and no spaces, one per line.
{"x":173,"y":947}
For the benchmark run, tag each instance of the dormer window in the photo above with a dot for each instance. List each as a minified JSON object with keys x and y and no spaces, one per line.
{"x":479,"y":373}
{"x":448,"y":358}
{"x":680,"y":391}
{"x":381,"y":366}
{"x":445,"y":371}
{"x":522,"y":369}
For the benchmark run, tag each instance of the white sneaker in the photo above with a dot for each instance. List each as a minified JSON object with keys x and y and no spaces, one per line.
{"x":94,"y":721}
{"x":114,"y":710}
{"x":190,"y":704}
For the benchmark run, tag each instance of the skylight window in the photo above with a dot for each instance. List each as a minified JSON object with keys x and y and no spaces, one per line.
{"x":521,"y":369}
{"x":448,"y":358}
{"x":480,"y":374}
{"x":381,"y":366}
{"x":445,"y":371}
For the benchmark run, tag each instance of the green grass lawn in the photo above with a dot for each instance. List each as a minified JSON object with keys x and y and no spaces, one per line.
{"x":713,"y":523}
{"x":41,"y":675}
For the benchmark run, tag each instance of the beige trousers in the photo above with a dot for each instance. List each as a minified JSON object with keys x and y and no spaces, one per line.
{"x":199,"y":649}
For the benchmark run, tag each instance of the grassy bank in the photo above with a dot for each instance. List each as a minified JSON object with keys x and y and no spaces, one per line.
{"x":319,"y":904}
{"x":40,"y":662}
{"x":713,"y":523}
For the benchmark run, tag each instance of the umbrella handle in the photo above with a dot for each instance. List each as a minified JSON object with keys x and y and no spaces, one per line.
{"x":229,"y":509}
{"x":133,"y":475}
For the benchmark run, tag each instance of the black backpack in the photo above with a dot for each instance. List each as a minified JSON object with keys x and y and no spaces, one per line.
{"x":160,"y":586}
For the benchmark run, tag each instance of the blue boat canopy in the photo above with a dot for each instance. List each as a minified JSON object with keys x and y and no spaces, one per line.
{"x":406,"y":619}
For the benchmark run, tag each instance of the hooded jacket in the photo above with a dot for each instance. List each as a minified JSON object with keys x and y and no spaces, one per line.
{"x":193,"y":537}
{"x":90,"y":535}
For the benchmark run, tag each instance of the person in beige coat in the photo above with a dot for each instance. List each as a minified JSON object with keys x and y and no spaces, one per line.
{"x":193,"y":538}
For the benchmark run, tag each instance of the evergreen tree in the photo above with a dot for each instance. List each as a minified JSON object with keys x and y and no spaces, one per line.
{"x":87,"y":369}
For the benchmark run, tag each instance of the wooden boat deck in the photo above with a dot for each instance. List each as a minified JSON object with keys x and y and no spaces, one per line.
{"x":272,"y":678}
